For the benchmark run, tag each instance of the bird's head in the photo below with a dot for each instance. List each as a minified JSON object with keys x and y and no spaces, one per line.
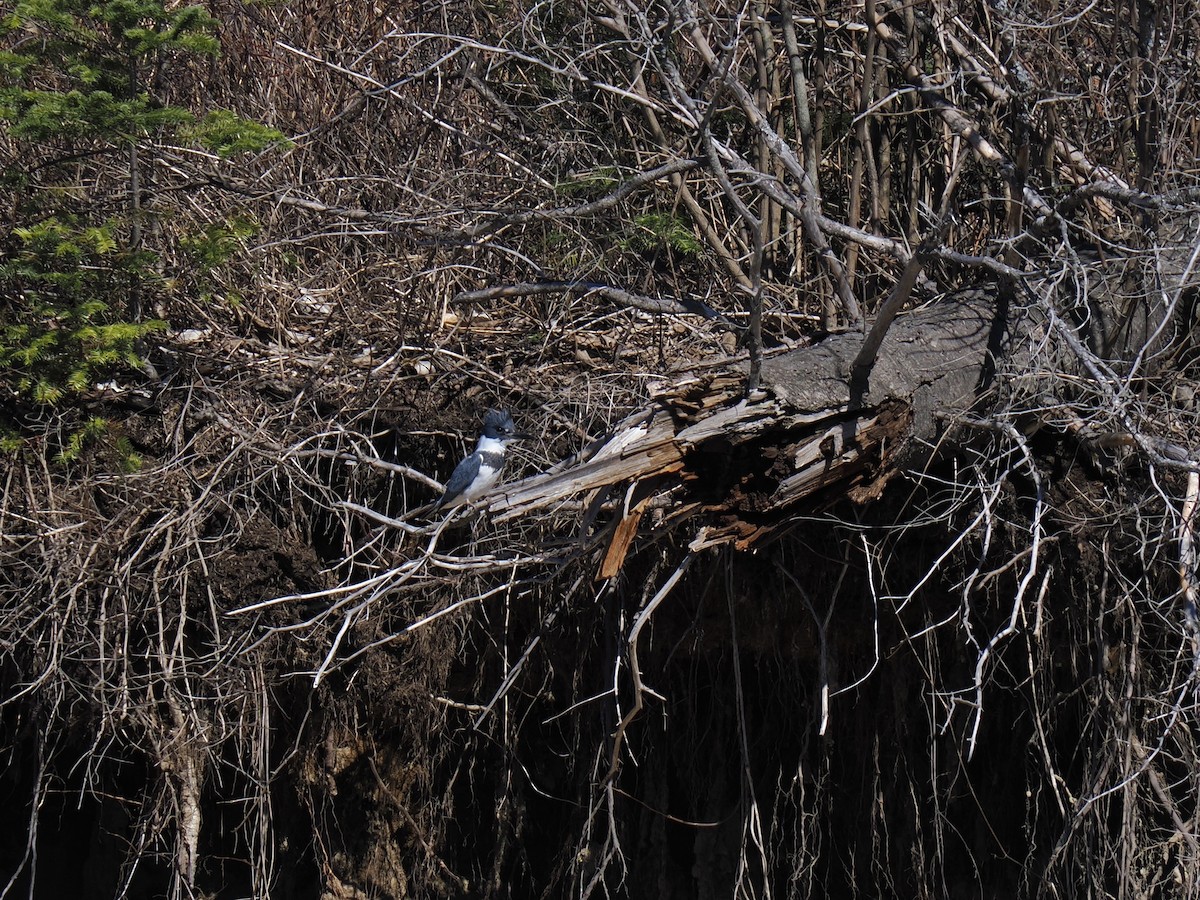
{"x":499,"y":426}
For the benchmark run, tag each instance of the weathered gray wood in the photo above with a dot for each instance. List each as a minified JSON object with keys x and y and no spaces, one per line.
{"x":809,"y":429}
{"x":932,"y":358}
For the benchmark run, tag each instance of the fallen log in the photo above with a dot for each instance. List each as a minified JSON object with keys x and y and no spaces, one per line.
{"x":809,"y":435}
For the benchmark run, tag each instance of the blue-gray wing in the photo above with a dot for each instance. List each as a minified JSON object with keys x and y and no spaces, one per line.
{"x":464,"y":473}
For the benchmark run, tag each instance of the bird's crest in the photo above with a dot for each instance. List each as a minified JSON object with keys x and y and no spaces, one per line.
{"x":497,"y":423}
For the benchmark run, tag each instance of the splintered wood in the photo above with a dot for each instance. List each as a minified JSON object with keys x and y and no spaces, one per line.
{"x":805,"y":440}
{"x":740,"y":461}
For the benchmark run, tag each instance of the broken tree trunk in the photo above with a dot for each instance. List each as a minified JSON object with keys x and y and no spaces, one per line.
{"x":809,"y":434}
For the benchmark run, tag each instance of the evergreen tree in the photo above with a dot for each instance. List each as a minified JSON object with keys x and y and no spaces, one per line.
{"x":76,"y":271}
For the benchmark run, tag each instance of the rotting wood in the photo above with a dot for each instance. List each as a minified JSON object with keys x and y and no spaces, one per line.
{"x":806,"y":436}
{"x":623,"y":534}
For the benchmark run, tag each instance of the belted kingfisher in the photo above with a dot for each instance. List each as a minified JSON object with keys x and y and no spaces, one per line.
{"x":479,"y":471}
